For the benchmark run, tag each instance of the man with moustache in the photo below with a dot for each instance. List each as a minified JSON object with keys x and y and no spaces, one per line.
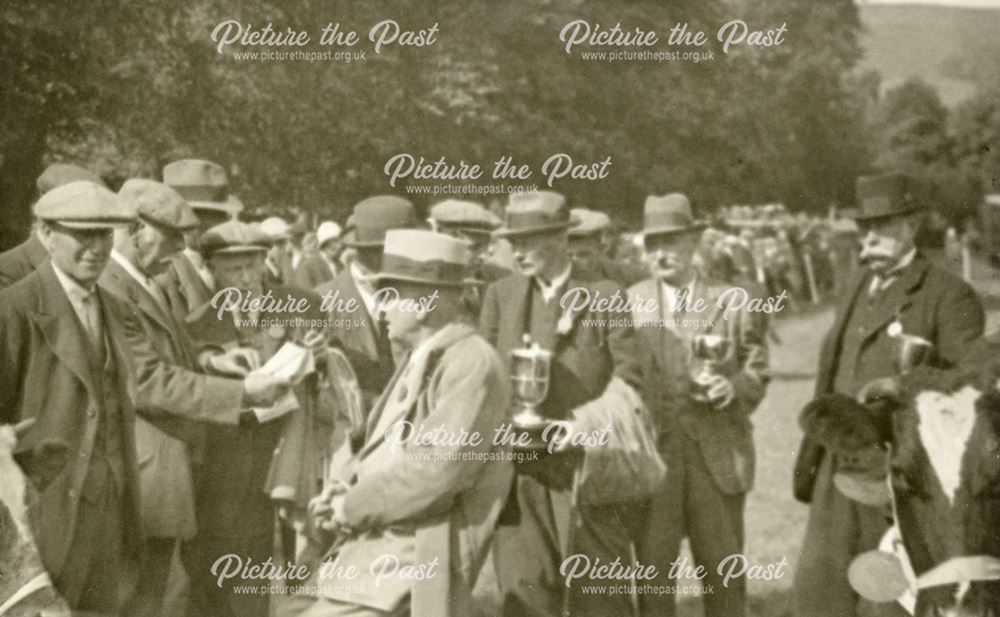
{"x":205,"y":186}
{"x":235,"y":497}
{"x":63,"y":359}
{"x":172,"y":397}
{"x":702,"y":417}
{"x":429,"y":505}
{"x":896,"y":288}
{"x":352,"y":296}
{"x":24,"y":258}
{"x":540,"y":528}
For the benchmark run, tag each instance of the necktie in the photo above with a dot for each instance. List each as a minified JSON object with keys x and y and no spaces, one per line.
{"x":92,"y":322}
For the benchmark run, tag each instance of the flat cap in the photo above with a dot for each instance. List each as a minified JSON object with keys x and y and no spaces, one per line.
{"x":234,"y":237}
{"x":590,"y":222}
{"x":58,"y":174}
{"x":467,"y":215}
{"x":159,"y":204}
{"x":84,"y":205}
{"x":374,"y":216}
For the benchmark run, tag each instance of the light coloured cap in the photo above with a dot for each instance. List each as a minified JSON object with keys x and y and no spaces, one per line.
{"x":159,"y":204}
{"x":591,"y":222}
{"x":84,"y":205}
{"x":276,"y":228}
{"x":234,"y":237}
{"x":58,"y":174}
{"x":328,"y":230}
{"x":465,"y":215}
{"x":425,"y":257}
{"x":203,"y":184}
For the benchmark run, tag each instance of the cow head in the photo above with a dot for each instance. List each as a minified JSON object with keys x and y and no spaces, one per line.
{"x":941,"y":432}
{"x":24,"y":586}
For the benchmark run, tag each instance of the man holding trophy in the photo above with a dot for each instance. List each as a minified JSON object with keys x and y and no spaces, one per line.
{"x":584,"y":357}
{"x":706,"y":372}
{"x":896,"y":301}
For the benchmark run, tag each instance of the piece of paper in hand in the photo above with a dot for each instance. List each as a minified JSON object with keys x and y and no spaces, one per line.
{"x":291,"y":363}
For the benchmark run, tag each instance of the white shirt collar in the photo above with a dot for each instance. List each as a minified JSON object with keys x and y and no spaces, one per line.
{"x":550,"y":289}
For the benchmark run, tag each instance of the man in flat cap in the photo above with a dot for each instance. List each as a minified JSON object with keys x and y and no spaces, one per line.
{"x":63,"y":363}
{"x":173,"y":398}
{"x":323,"y":265}
{"x":351,"y":296}
{"x":590,"y":355}
{"x":702,"y":416}
{"x":205,"y":186}
{"x":433,"y":507}
{"x":24,"y":258}
{"x":235,"y":511}
{"x":897,"y":290}
{"x":588,"y":248}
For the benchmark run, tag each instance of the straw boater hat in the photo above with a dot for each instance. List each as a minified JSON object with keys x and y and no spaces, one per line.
{"x":234,"y":237}
{"x":374,"y":216}
{"x":884,"y":196}
{"x":669,"y":214}
{"x":159,"y":204}
{"x":535,"y":212}
{"x":425,"y":257}
{"x":84,"y":205}
{"x":203,"y":184}
{"x":466,"y":216}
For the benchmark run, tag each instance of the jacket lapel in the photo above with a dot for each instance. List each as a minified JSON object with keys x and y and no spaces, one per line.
{"x":118,"y":280}
{"x":898,"y":296}
{"x":57,"y":321}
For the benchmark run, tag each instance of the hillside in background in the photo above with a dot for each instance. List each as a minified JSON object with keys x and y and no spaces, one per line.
{"x":953,"y":49}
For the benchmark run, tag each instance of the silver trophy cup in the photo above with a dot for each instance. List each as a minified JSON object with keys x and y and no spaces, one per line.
{"x":708,"y":352}
{"x":529,"y":368}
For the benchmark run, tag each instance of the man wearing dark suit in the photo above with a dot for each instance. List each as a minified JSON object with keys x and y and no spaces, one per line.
{"x":235,"y":511}
{"x":358,"y":322}
{"x":205,"y":186}
{"x":173,"y":398}
{"x":540,"y":528}
{"x":63,"y":363}
{"x":24,"y":258}
{"x":703,"y":416}
{"x":896,"y":291}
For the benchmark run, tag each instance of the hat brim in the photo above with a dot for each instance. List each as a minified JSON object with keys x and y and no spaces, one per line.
{"x":672,"y":230}
{"x":232,"y":206}
{"x":108,"y":224}
{"x":382,"y":277}
{"x":236,"y":250}
{"x":506,"y":232}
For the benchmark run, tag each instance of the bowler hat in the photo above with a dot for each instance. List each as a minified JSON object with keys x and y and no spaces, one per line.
{"x":58,"y":174}
{"x":591,"y":222}
{"x":84,"y":205}
{"x":425,"y":257}
{"x":883,"y":196}
{"x":203,"y":184}
{"x":234,"y":237}
{"x":669,"y":214}
{"x":159,"y":204}
{"x":535,"y":212}
{"x":374,"y":216}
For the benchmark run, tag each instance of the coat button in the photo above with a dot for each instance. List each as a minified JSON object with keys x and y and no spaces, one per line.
{"x":72,"y":493}
{"x":91,"y":412}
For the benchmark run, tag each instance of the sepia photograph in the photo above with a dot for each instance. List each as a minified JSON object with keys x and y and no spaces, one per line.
{"x":471,"y":308}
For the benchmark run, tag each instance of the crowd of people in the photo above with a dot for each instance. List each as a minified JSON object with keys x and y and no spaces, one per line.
{"x":183,"y":446}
